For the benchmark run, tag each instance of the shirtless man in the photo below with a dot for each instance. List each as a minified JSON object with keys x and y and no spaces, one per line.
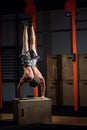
{"x":29,"y":59}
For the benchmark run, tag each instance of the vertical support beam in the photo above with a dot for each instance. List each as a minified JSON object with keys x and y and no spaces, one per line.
{"x":17,"y":56}
{"x":0,"y":80}
{"x":70,"y":6}
{"x":30,"y":10}
{"x":75,"y":62}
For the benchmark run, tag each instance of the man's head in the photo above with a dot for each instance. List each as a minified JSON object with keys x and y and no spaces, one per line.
{"x":34,"y":82}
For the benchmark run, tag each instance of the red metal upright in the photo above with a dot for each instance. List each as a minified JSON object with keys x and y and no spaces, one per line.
{"x":30,"y":10}
{"x":70,"y":6}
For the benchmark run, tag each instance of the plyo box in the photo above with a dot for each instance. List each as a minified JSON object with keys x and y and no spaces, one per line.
{"x":82,"y":66}
{"x":83,"y":93}
{"x":66,"y":67}
{"x":60,"y":67}
{"x":68,"y":92}
{"x":32,"y":110}
{"x":54,"y":91}
{"x":53,"y":67}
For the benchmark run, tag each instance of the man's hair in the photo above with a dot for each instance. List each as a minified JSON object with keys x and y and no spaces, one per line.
{"x":34,"y":82}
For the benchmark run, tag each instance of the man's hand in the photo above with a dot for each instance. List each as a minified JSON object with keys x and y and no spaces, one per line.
{"x":42,"y":96}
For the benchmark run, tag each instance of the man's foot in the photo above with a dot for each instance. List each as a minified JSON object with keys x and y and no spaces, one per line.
{"x":42,"y":97}
{"x":26,"y":23}
{"x":30,"y":23}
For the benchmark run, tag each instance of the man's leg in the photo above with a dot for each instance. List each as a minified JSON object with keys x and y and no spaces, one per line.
{"x":33,"y":50}
{"x":25,"y":49}
{"x":25,"y":39}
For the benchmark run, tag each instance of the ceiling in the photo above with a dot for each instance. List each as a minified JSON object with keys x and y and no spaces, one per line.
{"x":17,"y":6}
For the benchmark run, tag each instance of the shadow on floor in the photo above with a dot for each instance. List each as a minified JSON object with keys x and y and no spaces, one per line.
{"x":9,"y":125}
{"x":69,"y":111}
{"x":56,"y":110}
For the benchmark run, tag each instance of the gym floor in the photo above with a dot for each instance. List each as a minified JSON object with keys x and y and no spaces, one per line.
{"x":6,"y":122}
{"x":62,"y":117}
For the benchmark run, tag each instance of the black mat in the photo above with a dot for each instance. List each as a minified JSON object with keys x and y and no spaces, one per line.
{"x":69,"y":111}
{"x":11,"y":125}
{"x":56,"y":110}
{"x":41,"y":127}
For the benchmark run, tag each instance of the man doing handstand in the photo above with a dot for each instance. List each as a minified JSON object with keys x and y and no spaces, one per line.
{"x":29,"y":59}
